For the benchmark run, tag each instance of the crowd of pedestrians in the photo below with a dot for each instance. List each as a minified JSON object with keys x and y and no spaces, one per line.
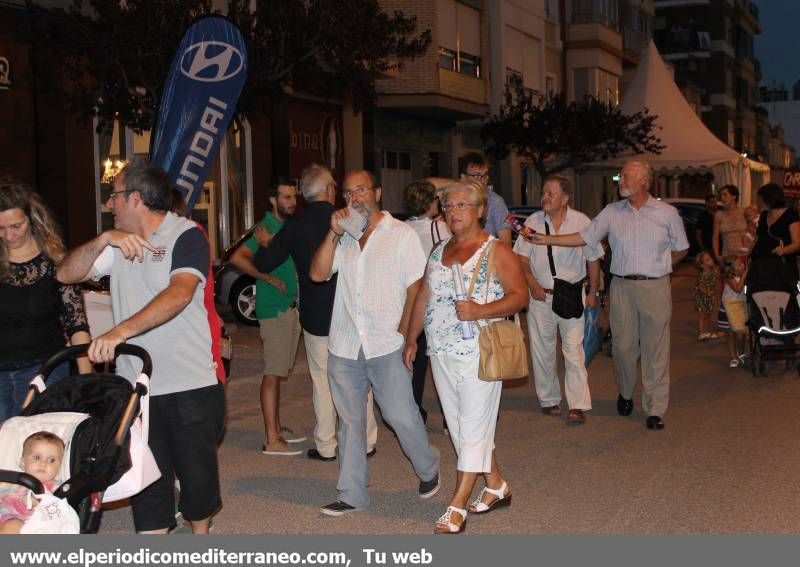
{"x":377,"y":303}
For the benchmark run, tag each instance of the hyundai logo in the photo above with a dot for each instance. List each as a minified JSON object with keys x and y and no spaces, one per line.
{"x":211,"y":61}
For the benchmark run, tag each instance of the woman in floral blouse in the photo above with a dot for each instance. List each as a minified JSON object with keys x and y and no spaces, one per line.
{"x":470,"y":404}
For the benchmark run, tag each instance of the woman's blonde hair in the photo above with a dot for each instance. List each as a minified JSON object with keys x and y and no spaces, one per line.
{"x":15,"y":195}
{"x":476,"y":190}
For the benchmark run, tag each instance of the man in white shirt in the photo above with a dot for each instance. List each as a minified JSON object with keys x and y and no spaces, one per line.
{"x":570,"y":265}
{"x":379,"y":276}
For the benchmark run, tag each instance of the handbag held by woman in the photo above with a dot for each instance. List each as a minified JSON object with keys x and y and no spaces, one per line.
{"x":503,"y":355}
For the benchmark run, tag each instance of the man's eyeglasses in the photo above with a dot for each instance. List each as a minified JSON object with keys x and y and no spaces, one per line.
{"x":447,"y":207}
{"x":478,"y":176}
{"x":356,"y":191}
{"x":115,"y":193}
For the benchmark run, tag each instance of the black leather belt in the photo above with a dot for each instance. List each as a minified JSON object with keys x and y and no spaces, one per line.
{"x":637,"y":277}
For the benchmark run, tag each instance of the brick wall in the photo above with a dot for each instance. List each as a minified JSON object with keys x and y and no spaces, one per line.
{"x":418,"y":75}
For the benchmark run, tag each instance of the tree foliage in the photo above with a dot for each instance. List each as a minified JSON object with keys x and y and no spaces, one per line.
{"x":117,"y":53}
{"x":555,"y":135}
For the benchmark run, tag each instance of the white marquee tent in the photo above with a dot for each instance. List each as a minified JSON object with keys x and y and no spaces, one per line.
{"x":689,"y":145}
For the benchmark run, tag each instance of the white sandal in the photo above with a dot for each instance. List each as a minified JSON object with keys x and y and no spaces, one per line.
{"x":450,"y":527}
{"x":502,"y":499}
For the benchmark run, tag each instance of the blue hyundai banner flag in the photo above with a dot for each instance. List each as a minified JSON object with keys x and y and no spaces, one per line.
{"x":198,"y":103}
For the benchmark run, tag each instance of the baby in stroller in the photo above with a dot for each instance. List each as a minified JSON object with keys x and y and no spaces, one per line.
{"x":42,"y":454}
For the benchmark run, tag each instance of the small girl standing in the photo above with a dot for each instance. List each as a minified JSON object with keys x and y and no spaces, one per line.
{"x":704,"y":290}
{"x":733,"y":299}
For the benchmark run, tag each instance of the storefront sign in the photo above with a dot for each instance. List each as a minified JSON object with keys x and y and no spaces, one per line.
{"x":791,"y":183}
{"x":5,"y":74}
{"x":315,"y":136}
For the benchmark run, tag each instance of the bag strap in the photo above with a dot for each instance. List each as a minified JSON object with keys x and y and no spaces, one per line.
{"x":550,"y":251}
{"x":438,"y":238}
{"x":478,"y":268}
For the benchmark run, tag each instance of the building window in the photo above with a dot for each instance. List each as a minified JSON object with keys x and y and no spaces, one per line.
{"x":580,"y":83}
{"x":551,"y":10}
{"x":604,"y":12}
{"x":396,"y":160}
{"x":523,"y":56}
{"x":731,"y":134}
{"x":598,"y":83}
{"x":459,"y":37}
{"x":550,"y":85}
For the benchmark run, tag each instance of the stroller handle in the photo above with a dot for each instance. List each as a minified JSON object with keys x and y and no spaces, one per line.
{"x":71,"y":352}
{"x":23,"y":479}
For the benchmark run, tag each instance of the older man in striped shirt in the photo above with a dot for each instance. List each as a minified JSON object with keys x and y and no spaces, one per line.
{"x":647,"y":239}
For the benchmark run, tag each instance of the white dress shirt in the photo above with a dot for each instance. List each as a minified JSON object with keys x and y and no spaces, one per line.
{"x":371,"y":290}
{"x":570,"y":262}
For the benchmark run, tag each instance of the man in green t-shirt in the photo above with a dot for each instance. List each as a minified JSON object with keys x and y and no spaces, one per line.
{"x":276,"y":310}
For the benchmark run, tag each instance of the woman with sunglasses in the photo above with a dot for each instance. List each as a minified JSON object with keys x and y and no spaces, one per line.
{"x":470,"y":404}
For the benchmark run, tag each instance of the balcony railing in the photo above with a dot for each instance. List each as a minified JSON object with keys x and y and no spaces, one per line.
{"x":604,"y":12}
{"x":682,"y":40}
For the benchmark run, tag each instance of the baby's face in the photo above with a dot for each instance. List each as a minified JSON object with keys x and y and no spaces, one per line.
{"x":42,"y":460}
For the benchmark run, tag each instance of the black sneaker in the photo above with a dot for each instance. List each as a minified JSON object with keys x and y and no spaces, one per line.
{"x":338,"y":508}
{"x":428,"y":488}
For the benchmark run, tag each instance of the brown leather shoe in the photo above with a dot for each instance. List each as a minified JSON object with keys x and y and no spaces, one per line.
{"x":576,"y":417}
{"x":552,"y":410}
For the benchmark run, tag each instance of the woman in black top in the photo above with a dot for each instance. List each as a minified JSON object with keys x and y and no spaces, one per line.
{"x":774,"y":255}
{"x":37,"y":313}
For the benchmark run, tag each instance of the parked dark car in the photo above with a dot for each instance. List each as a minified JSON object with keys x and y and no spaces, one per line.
{"x":690,"y":210}
{"x":524,"y":211}
{"x":233,"y":288}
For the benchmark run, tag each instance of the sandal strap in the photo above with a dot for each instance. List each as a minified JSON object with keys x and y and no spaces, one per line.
{"x":445,"y":519}
{"x":498,"y":493}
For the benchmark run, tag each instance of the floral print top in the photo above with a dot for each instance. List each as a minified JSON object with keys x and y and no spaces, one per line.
{"x":442,"y":327}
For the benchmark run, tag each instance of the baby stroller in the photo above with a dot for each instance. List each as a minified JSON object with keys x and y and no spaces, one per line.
{"x":773,"y":314}
{"x":93,"y":414}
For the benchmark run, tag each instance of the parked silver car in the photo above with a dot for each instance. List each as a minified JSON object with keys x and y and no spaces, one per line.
{"x":233,"y":288}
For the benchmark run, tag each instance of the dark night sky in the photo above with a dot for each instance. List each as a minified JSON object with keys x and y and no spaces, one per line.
{"x":778,"y":46}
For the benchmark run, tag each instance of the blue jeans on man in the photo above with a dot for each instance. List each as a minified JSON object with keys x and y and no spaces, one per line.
{"x":391,"y":385}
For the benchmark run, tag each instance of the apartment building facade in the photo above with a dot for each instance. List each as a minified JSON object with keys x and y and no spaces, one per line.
{"x":710,"y":45}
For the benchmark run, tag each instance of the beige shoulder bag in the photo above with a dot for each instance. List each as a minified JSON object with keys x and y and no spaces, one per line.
{"x":501,"y":343}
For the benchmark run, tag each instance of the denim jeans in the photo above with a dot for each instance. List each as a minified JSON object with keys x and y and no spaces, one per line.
{"x":391,"y":385}
{"x":14,"y":386}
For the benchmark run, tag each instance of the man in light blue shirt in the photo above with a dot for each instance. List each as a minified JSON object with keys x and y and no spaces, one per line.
{"x":476,"y":168}
{"x":647,"y":239}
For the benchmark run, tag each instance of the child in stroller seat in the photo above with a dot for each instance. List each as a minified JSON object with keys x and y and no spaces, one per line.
{"x":42,"y":453}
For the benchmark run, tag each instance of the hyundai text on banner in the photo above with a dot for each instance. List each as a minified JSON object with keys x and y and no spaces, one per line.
{"x":198,"y":102}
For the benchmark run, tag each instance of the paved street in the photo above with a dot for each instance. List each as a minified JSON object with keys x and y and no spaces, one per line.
{"x":727,"y":461}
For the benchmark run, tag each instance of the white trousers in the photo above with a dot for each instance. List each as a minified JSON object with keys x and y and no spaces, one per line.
{"x":470,"y":407}
{"x":324,"y":411}
{"x":542,"y":327}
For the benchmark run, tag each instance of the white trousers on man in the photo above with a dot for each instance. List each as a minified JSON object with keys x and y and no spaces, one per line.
{"x":543,"y":325}
{"x":324,"y":411}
